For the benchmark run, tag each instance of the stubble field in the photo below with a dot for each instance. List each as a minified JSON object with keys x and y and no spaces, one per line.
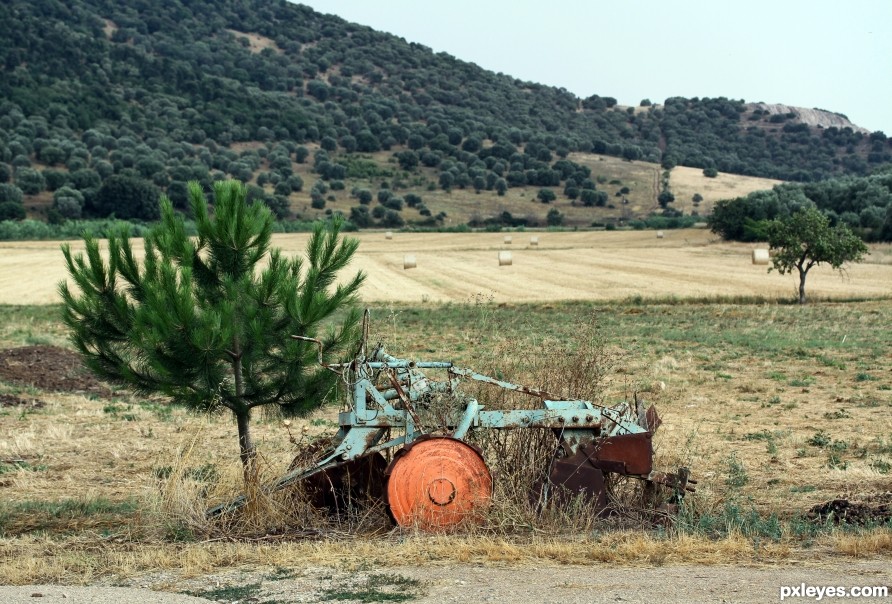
{"x":775,"y":407}
{"x":585,"y":265}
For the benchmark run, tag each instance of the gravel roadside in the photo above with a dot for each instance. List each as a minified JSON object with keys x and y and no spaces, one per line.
{"x":63,"y":594}
{"x":664,"y":584}
{"x":475,"y":584}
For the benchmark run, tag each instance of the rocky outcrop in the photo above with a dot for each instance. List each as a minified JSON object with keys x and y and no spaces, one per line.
{"x":812,"y":117}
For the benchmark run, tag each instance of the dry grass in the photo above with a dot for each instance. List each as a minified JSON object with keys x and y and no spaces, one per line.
{"x":464,"y":205}
{"x":564,"y":266}
{"x":256,"y":42}
{"x":775,"y":408}
{"x":641,"y":178}
{"x":87,"y":559}
{"x":869,"y":545}
{"x":759,"y":382}
{"x":685,"y":182}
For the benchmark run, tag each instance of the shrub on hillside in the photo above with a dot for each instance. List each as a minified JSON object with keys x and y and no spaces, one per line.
{"x":9,"y":210}
{"x":10,"y":193}
{"x":127,"y":198}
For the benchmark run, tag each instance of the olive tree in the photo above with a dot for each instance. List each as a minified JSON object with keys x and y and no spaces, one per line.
{"x":805,"y":239}
{"x":127,"y":198}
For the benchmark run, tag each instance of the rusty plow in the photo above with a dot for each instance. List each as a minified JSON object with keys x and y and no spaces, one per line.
{"x":398,"y":444}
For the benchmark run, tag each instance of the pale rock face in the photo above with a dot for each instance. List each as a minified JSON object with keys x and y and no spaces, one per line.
{"x":812,"y":117}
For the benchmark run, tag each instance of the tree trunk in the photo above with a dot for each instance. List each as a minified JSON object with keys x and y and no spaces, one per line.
{"x":802,"y":275}
{"x":247,"y":452}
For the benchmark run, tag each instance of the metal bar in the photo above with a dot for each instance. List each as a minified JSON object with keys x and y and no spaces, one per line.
{"x":283,"y":482}
{"x":376,"y":394}
{"x":403,"y":364}
{"x":539,"y":418}
{"x":464,"y":424}
{"x":359,"y":397}
{"x":392,"y":418}
{"x":415,"y":393}
{"x":407,"y":404}
{"x":501,"y":384}
{"x":393,"y":442}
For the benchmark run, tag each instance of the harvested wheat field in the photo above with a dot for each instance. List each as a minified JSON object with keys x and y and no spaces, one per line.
{"x":591,"y":265}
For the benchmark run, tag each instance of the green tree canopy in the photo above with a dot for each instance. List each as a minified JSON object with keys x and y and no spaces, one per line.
{"x":10,"y":194}
{"x":207,"y":321}
{"x":554,"y":217}
{"x":68,"y":202}
{"x":805,"y":239}
{"x":10,"y":210}
{"x":126,"y":198}
{"x":30,"y":181}
{"x":546,"y":195}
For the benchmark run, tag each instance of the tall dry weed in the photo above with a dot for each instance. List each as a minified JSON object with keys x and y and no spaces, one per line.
{"x":180,"y":495}
{"x":584,"y":367}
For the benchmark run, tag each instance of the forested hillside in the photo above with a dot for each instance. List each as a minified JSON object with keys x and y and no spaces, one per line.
{"x":104,"y":103}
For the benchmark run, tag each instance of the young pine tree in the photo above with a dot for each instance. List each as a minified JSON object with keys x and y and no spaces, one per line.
{"x":204,"y":322}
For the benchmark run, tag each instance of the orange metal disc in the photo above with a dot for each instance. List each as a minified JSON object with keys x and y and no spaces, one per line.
{"x":437,"y":483}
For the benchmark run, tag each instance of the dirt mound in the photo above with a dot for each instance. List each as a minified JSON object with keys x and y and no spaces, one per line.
{"x":49,"y":368}
{"x":862,"y":510}
{"x":10,"y":400}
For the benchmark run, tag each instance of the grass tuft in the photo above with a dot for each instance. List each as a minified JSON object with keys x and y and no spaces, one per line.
{"x":375,"y":587}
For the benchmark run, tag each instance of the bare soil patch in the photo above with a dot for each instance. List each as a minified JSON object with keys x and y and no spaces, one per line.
{"x":875,"y":508}
{"x":256,"y":42}
{"x":49,"y":368}
{"x":11,"y":400}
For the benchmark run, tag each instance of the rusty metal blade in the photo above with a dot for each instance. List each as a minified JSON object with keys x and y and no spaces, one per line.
{"x":346,"y":485}
{"x":625,"y":454}
{"x":571,"y":477}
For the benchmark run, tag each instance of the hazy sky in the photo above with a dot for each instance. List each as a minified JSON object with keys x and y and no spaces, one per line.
{"x":809,"y":53}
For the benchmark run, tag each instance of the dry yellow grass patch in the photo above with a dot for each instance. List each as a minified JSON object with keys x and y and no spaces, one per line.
{"x":256,"y":42}
{"x":88,"y":559}
{"x":685,"y":182}
{"x":871,"y":545}
{"x":109,"y":28}
{"x":641,"y":178}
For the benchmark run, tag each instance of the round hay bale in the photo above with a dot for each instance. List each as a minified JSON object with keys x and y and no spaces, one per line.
{"x":388,"y":235}
{"x":534,"y":241}
{"x":659,"y":234}
{"x":507,"y":239}
{"x":504,"y":258}
{"x":760,"y":256}
{"x":409,"y":261}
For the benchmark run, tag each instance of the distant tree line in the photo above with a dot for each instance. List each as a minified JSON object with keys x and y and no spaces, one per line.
{"x":864,"y":204}
{"x":149,"y":99}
